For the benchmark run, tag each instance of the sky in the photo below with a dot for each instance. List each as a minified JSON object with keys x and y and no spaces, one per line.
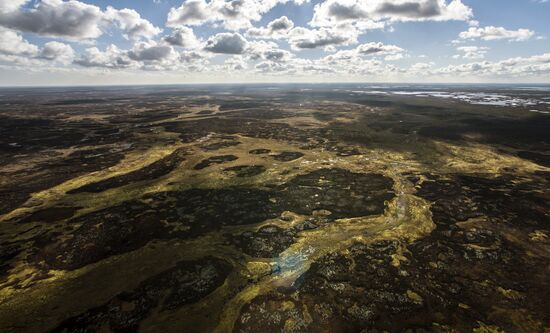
{"x":110,"y":42}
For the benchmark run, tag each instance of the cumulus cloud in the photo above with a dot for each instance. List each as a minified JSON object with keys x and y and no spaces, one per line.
{"x":370,"y":13}
{"x":183,"y":37}
{"x":355,"y":56}
{"x":11,"y":43}
{"x":378,"y":48}
{"x":191,"y":56}
{"x":234,"y":63}
{"x":421,"y":66}
{"x":538,"y":65}
{"x":291,"y":66}
{"x":195,"y":61}
{"x":57,"y":51}
{"x":472,"y":52}
{"x":543,"y":58}
{"x":271,"y":67}
{"x":283,"y":23}
{"x":112,"y":57}
{"x":131,"y":23}
{"x":144,"y":52}
{"x":8,"y":6}
{"x":227,"y":43}
{"x":75,"y":20}
{"x":303,"y":38}
{"x":494,"y":33}
{"x":366,"y":59}
{"x":143,"y":55}
{"x":191,"y":12}
{"x":349,"y":62}
{"x":233,"y":14}
{"x":410,"y":9}
{"x":57,"y":18}
{"x":261,"y":50}
{"x":275,"y":29}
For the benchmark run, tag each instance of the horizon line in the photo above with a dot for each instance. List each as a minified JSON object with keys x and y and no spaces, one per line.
{"x":267,"y":83}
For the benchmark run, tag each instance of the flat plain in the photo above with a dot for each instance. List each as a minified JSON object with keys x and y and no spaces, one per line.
{"x":265,"y":208}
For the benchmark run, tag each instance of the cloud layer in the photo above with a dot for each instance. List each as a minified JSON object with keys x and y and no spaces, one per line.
{"x":234,"y":38}
{"x":495,"y":33}
{"x":74,"y":20}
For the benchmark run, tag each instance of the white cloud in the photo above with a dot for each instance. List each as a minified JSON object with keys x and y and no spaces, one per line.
{"x":149,"y":56}
{"x":57,"y":51}
{"x":225,"y":42}
{"x":534,"y":66}
{"x":261,"y":50}
{"x":192,"y":57}
{"x":366,"y":59}
{"x":183,"y":37}
{"x":394,"y":57}
{"x":112,"y":57}
{"x":371,"y":13}
{"x":132,"y":25}
{"x":473,"y":52}
{"x":191,"y":12}
{"x":271,"y":67}
{"x":151,"y":52}
{"x":494,"y":33}
{"x":233,"y":15}
{"x":275,"y":29}
{"x":543,"y":58}
{"x":421,"y":66}
{"x":7,"y":6}
{"x":57,"y":18}
{"x":11,"y":43}
{"x":74,"y":20}
{"x":234,"y":63}
{"x":378,"y":48}
{"x":303,"y":38}
{"x":15,"y":48}
{"x":354,"y":56}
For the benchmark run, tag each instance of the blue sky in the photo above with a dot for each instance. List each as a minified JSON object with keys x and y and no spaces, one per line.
{"x":61,"y":42}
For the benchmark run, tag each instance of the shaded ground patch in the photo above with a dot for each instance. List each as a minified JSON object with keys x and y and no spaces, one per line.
{"x":102,"y":234}
{"x":153,"y":171}
{"x":246,"y":170}
{"x":342,"y":192}
{"x":182,"y":214}
{"x":132,"y":224}
{"x":205,"y":112}
{"x":184,"y":284}
{"x":287,"y":156}
{"x":540,"y":159}
{"x":214,"y":160}
{"x":220,"y":145}
{"x":508,"y":131}
{"x":50,"y":214}
{"x":195,"y":129}
{"x":259,"y":151}
{"x":24,"y":135}
{"x":458,"y":197}
{"x":267,"y":242}
{"x":53,"y":172}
